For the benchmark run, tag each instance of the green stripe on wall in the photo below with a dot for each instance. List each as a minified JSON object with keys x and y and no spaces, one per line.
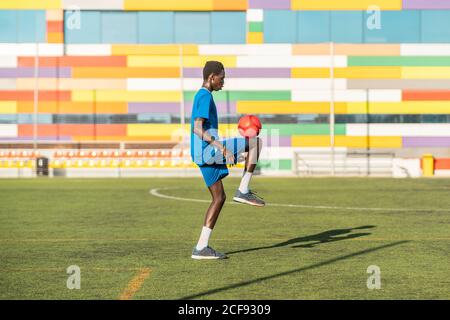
{"x":277,"y":164}
{"x":307,"y":129}
{"x":244,"y":95}
{"x":255,"y":27}
{"x":398,"y":61}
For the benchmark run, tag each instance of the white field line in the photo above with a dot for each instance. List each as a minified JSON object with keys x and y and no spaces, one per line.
{"x":155,"y":192}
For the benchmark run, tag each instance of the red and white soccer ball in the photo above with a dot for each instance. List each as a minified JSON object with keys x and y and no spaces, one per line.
{"x":249,"y":126}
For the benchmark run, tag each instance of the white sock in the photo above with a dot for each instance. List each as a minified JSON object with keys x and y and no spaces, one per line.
{"x":243,"y":187}
{"x":204,"y":238}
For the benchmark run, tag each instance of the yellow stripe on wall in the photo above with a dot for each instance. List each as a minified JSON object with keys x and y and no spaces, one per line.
{"x":172,"y":131}
{"x":169,"y":5}
{"x":291,"y":107}
{"x":31,"y":4}
{"x":8,"y":107}
{"x":175,"y":61}
{"x":345,"y":4}
{"x":310,"y":72}
{"x":405,"y":107}
{"x":255,"y":37}
{"x":288,"y":107}
{"x":426,"y":72}
{"x":349,"y":73}
{"x":138,"y":96}
{"x":155,"y":129}
{"x":368,"y":73}
{"x":83,"y":95}
{"x":186,"y":49}
{"x":347,"y":141}
{"x":153,"y":61}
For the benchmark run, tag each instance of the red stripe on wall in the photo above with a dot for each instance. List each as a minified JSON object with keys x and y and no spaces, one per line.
{"x":425,"y":95}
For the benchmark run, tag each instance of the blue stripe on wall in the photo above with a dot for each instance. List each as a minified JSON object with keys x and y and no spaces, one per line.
{"x":156,"y":27}
{"x":280,"y":26}
{"x":228,"y":27}
{"x":119,"y":27}
{"x":396,"y":27}
{"x":18,"y":26}
{"x":192,"y":27}
{"x":346,"y":26}
{"x":436,"y":26}
{"x":89,"y":30}
{"x":313,"y":26}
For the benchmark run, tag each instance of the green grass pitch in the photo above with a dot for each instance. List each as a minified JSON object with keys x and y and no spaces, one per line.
{"x":319,"y":249}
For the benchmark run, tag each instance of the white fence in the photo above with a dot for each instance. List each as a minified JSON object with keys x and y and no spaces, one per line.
{"x":340,"y":162}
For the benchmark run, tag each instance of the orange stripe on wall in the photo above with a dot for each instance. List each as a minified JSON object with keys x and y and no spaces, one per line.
{"x":29,"y":95}
{"x":85,"y":72}
{"x":75,"y":61}
{"x":57,"y":129}
{"x":55,"y":26}
{"x":43,"y":130}
{"x":230,"y":5}
{"x":125,"y":138}
{"x":111,"y":129}
{"x":441,"y":164}
{"x":73,"y":107}
{"x":111,"y":107}
{"x":425,"y":95}
{"x":55,"y":37}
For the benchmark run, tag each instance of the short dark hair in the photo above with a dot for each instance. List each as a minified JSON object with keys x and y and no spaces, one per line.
{"x":214,"y":67}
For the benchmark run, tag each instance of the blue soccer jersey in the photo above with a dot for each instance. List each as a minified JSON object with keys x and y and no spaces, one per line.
{"x":203,"y":107}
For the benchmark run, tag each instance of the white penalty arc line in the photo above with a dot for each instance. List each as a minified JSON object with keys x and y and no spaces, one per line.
{"x":155,"y":192}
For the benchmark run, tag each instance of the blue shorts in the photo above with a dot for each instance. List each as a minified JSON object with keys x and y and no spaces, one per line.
{"x":215,"y":167}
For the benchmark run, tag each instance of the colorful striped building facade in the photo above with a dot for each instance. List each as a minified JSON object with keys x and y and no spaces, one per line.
{"x":355,"y":75}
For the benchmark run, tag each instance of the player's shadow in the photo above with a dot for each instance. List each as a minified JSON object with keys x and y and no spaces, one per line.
{"x":315,"y":239}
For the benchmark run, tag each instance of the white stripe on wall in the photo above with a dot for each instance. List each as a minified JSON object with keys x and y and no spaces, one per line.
{"x":290,"y":61}
{"x":246,"y":49}
{"x":399,"y":129}
{"x":154,"y":84}
{"x":8,"y":84}
{"x":310,"y":86}
{"x":88,"y":50}
{"x":8,"y":130}
{"x":425,"y":49}
{"x":8,"y":61}
{"x":29,"y":49}
{"x":255,"y":15}
{"x":269,"y":153}
{"x":385,"y":95}
{"x":347,"y":95}
{"x":317,"y":84}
